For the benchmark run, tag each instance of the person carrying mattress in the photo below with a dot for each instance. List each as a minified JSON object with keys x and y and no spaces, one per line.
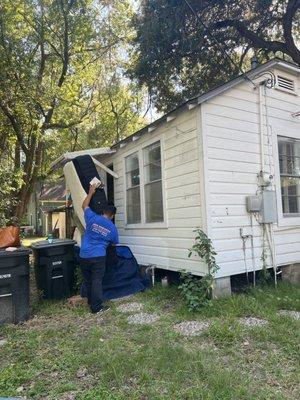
{"x":99,"y":234}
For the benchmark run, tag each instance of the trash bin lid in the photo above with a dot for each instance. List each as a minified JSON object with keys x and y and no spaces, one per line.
{"x":21,"y":251}
{"x":43,"y":244}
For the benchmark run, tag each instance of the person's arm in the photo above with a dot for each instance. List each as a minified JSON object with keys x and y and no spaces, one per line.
{"x":115,"y":239}
{"x":87,"y":200}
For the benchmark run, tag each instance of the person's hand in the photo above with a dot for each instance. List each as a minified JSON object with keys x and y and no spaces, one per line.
{"x":92,"y":189}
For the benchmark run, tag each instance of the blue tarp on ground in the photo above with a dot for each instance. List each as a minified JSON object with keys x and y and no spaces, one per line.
{"x":123,"y":275}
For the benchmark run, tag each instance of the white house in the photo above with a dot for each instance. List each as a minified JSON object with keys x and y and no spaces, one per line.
{"x":196,"y":166}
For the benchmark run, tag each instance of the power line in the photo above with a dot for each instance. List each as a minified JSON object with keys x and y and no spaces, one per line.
{"x":207,"y":29}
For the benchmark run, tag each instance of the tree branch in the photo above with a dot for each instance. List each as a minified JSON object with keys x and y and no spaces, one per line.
{"x":42,"y":48}
{"x":257,"y":41}
{"x":37,"y":31}
{"x":15,"y":125}
{"x":250,"y":35}
{"x":66,"y":46}
{"x":66,"y":59}
{"x":287,"y":24}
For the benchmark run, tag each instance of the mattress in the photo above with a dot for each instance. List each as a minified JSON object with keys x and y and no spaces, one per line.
{"x":78,"y":174}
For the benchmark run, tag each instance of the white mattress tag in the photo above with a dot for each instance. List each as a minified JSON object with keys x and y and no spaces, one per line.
{"x":96,"y":181}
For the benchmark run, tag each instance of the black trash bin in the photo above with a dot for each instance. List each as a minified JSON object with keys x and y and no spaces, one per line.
{"x":14,"y":285}
{"x":54,"y":267}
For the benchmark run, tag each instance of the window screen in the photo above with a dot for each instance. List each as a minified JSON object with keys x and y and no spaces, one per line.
{"x":153,"y":183}
{"x":133,"y":200}
{"x":289,"y":160}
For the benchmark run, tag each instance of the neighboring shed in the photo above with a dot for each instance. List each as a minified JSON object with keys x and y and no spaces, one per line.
{"x":51,"y":208}
{"x":54,"y":193}
{"x":196,"y":166}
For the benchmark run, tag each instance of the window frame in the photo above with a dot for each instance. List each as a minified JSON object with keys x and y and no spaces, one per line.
{"x":132,"y":187}
{"x":284,"y":220}
{"x":140,"y":151}
{"x":148,"y":183}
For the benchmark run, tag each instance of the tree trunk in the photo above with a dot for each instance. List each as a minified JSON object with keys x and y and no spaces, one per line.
{"x":22,"y":203}
{"x":17,"y":157}
{"x":30,"y":181}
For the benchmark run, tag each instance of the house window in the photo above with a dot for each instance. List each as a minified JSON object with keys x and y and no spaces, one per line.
{"x":153,"y":183}
{"x":144,"y":194}
{"x":133,"y":196}
{"x":289,"y":160}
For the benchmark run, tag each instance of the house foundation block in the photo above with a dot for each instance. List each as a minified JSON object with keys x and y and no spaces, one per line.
{"x":222,"y":287}
{"x":291,"y":273}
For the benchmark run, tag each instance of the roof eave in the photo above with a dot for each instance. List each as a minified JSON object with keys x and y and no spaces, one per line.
{"x":252,"y":74}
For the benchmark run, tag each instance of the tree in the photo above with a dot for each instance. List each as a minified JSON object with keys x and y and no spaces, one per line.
{"x":53,"y":54}
{"x":186,"y":47}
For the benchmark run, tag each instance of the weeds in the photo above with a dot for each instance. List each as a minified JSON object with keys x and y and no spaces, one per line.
{"x":198,"y":292}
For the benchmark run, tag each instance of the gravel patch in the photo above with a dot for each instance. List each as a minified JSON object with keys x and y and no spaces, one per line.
{"x":142,"y":318}
{"x":290,"y":313}
{"x":130,"y":307}
{"x":68,"y":396}
{"x":191,"y":328}
{"x":81,"y":373}
{"x":121,"y":299}
{"x":252,"y":321}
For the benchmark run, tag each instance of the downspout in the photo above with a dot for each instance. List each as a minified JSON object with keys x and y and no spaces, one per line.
{"x":269,"y":232}
{"x":267,"y":82}
{"x":261,"y":131}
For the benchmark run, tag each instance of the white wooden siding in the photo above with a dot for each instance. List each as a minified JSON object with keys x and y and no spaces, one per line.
{"x":211,"y":157}
{"x":230,"y":124}
{"x":167,"y":247}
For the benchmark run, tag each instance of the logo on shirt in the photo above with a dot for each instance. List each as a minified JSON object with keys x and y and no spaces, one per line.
{"x":5,"y":276}
{"x":100,"y":229}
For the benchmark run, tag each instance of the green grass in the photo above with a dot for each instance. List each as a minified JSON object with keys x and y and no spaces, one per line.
{"x":47,"y":355}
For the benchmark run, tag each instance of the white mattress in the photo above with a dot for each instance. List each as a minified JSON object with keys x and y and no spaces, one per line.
{"x":77,"y":192}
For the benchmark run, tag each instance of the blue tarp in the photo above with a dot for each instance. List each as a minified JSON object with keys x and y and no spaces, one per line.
{"x":123,"y":275}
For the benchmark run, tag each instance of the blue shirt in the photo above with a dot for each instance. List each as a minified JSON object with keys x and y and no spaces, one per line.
{"x":99,"y":234}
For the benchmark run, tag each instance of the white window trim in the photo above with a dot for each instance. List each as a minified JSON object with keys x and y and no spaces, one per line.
{"x":143,"y":224}
{"x":125,"y":184}
{"x":283,"y":220}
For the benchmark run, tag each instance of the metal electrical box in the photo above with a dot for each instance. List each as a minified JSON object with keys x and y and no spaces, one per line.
{"x":265,"y":205}
{"x":253,"y":204}
{"x":268,"y":210}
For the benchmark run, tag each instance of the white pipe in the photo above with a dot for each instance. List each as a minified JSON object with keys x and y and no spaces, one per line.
{"x":272,"y":249}
{"x":151,"y":267}
{"x":261,"y":131}
{"x":245,"y":259}
{"x":244,"y":238}
{"x":253,"y":260}
{"x":274,"y":252}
